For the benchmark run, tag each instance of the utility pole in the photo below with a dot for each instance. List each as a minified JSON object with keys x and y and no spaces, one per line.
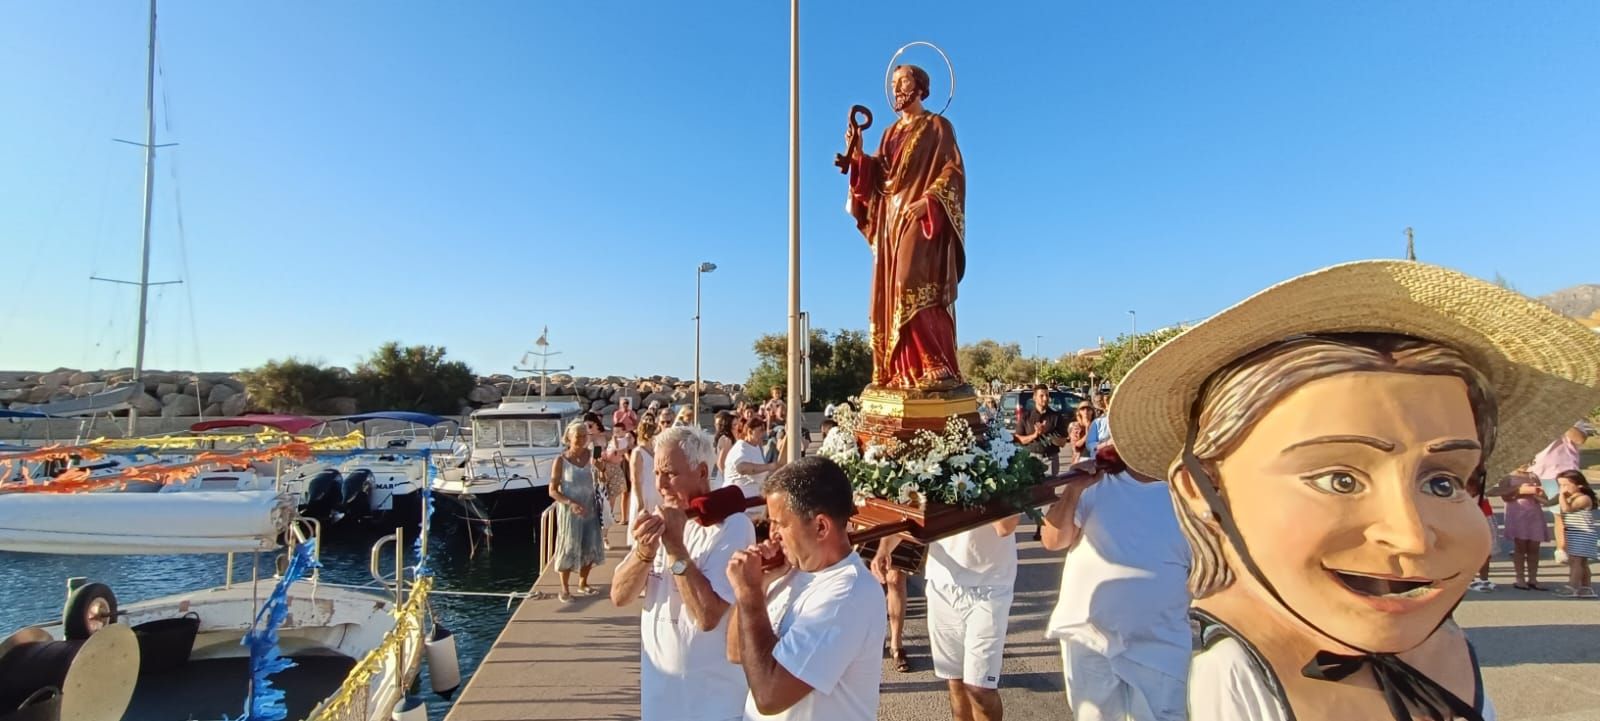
{"x":796,"y":342}
{"x":1411,"y":245}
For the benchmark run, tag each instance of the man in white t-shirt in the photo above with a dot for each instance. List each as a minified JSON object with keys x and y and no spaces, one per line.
{"x":810,"y":631}
{"x":1122,"y":616}
{"x":746,"y":465}
{"x":682,"y":567}
{"x":969,"y":585}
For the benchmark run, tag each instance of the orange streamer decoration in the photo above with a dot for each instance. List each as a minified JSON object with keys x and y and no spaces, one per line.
{"x":77,"y":480}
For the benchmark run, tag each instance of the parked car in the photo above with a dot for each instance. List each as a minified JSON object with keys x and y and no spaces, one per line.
{"x":1014,"y":404}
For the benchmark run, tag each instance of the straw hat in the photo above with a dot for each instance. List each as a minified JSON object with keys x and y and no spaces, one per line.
{"x":1544,"y":368}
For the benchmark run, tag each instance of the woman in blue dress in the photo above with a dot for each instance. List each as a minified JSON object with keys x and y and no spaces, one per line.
{"x":578,"y":545}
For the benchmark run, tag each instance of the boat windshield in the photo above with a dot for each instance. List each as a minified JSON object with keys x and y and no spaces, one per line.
{"x":516,"y":433}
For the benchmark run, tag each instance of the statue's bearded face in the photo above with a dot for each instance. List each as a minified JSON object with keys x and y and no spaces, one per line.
{"x":907,"y":91}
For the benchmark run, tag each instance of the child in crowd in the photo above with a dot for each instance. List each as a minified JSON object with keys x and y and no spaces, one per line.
{"x":1578,"y":508}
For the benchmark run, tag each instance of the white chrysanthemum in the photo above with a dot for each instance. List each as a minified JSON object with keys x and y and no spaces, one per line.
{"x":962,"y":460}
{"x":909,"y":493}
{"x":962,"y":483}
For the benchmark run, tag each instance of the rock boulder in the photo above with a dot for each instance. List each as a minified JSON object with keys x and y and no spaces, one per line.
{"x":484,"y":395}
{"x":235,"y":404}
{"x":219,"y":393}
{"x":86,"y":389}
{"x":81,"y":377}
{"x":146,"y":404}
{"x":178,"y":404}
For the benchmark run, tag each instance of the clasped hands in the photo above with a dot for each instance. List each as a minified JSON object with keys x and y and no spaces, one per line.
{"x":751,"y":569}
{"x":662,"y":528}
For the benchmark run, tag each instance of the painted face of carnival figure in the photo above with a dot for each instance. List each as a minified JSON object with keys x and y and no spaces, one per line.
{"x":1319,"y":438}
{"x":1349,"y":488}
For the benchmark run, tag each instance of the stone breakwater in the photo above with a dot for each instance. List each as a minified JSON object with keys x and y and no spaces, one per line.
{"x":175,"y":394}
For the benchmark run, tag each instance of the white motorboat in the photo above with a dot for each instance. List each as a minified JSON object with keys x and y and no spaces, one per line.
{"x":355,"y":651}
{"x":379,"y":486}
{"x":506,"y":476}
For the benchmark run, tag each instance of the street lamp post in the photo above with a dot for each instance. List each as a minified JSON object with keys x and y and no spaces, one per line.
{"x":702,"y":270}
{"x":1036,"y":345}
{"x":1133,"y":323}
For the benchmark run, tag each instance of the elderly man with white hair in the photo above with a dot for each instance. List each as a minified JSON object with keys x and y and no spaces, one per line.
{"x":681,"y":566}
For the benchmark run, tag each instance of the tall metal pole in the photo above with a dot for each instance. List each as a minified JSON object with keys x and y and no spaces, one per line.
{"x":1133,"y":323}
{"x":794,"y":416}
{"x":149,"y":193}
{"x":699,"y":271}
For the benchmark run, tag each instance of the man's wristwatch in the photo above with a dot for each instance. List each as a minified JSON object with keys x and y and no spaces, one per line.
{"x":679,"y":567}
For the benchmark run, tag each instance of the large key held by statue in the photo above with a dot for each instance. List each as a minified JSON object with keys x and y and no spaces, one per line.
{"x":842,"y":160}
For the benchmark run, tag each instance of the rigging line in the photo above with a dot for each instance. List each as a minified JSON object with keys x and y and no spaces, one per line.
{"x":183,"y":264}
{"x":177,"y":200}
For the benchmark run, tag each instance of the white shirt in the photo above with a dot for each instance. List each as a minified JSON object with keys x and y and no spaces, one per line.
{"x":684,"y":673}
{"x":979,"y":557}
{"x":648,"y":498}
{"x":830,"y":626}
{"x":1124,"y":587}
{"x":743,"y":452}
{"x":1224,"y":684}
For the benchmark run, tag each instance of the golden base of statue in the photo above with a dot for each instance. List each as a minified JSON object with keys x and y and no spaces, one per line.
{"x":890,"y":416}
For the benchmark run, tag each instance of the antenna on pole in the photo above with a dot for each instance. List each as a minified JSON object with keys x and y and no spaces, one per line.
{"x":544,"y":363}
{"x":1411,"y":245}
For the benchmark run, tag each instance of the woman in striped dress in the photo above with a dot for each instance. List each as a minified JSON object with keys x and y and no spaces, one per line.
{"x":1578,"y":508}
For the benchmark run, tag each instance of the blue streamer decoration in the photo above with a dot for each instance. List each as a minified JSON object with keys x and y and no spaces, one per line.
{"x":430,"y":475}
{"x":265,"y":703}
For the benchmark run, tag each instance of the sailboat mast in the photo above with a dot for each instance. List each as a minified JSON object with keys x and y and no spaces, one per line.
{"x":149,"y":192}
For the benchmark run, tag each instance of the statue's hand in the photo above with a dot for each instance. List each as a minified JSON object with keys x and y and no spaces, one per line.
{"x":918,"y":208}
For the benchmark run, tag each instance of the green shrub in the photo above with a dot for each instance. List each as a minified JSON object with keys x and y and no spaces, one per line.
{"x":294,"y":386}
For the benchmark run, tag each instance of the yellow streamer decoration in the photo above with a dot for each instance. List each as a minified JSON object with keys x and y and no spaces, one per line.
{"x":358,"y":683}
{"x":351,"y":440}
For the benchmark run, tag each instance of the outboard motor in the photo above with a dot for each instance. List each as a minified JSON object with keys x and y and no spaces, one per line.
{"x":357,"y":491}
{"x":323,"y":494}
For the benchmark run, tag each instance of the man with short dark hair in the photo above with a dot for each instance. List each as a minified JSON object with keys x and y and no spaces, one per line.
{"x":810,"y":631}
{"x":1041,"y":428}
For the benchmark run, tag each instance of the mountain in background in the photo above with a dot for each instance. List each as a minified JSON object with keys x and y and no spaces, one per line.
{"x":1579,"y":301}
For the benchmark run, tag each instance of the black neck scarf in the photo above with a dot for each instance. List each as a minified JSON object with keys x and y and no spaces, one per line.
{"x":1404,"y":687}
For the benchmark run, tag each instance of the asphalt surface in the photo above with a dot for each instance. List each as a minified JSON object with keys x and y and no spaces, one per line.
{"x":1540,"y":654}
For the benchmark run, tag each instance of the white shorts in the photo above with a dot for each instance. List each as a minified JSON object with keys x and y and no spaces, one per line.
{"x":967,"y":628}
{"x":1103,"y":689}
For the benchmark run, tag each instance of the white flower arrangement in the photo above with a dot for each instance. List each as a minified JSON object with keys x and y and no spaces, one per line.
{"x":954,"y":467}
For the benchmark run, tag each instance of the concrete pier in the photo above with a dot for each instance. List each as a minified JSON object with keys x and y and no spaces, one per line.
{"x":577,"y":661}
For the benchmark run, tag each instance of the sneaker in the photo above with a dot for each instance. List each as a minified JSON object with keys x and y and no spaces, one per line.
{"x":1480,"y":586}
{"x":1567,"y":592}
{"x":1587,"y":592}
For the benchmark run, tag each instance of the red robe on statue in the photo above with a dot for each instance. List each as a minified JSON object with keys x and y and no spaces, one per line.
{"x":917,"y":258}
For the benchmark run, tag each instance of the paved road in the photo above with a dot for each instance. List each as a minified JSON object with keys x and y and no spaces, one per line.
{"x":1540,"y":654}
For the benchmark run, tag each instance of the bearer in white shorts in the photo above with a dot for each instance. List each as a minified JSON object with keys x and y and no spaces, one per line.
{"x":969,"y":587}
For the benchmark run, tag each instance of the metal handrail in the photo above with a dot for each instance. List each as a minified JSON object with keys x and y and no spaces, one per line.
{"x":548,"y":524}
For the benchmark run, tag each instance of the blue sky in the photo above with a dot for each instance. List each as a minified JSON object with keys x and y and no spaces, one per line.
{"x":465,"y":174}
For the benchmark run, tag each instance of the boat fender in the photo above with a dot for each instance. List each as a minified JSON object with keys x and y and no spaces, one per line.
{"x":444,"y":668}
{"x":410,"y":708}
{"x":91,"y":607}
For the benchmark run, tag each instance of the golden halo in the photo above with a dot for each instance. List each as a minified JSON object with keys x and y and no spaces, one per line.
{"x":888,"y":74}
